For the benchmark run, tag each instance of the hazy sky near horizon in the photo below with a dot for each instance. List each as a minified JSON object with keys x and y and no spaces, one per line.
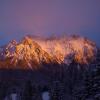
{"x":45,"y":17}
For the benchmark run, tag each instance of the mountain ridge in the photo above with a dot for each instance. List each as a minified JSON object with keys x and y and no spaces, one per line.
{"x":32,"y":53}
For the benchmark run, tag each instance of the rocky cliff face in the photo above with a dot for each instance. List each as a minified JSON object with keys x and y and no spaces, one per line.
{"x":32,"y":53}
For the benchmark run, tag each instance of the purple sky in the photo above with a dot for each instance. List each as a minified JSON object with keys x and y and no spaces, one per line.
{"x":45,"y":17}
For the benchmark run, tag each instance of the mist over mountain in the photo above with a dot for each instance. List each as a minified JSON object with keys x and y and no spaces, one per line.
{"x":32,"y":52}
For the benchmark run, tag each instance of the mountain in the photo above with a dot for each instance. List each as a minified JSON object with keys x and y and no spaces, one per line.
{"x":27,"y":53}
{"x":32,"y":52}
{"x":58,"y":63}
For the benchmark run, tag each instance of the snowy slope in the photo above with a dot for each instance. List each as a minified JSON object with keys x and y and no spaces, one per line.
{"x":32,"y":52}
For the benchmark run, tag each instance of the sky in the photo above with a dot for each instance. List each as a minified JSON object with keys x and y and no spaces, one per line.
{"x":49,"y":17}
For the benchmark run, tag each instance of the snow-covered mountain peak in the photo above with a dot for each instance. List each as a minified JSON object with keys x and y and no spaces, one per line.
{"x":32,"y":52}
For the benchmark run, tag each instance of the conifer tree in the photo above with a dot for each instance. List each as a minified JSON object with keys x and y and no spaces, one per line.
{"x":28,"y":92}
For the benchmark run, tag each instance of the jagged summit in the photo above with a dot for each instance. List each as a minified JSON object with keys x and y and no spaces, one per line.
{"x":26,"y":53}
{"x":32,"y":53}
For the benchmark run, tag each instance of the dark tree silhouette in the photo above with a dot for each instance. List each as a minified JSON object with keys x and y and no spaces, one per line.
{"x":28,"y":91}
